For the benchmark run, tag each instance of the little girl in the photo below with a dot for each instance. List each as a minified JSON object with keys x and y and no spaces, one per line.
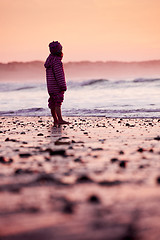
{"x":56,"y":83}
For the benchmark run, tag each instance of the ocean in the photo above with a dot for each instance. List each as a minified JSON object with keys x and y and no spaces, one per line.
{"x":137,"y":98}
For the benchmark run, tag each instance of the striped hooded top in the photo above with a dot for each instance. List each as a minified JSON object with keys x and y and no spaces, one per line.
{"x":55,"y":75}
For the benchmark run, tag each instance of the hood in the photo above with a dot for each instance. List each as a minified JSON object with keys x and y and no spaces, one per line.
{"x":55,"y":47}
{"x":49,"y":61}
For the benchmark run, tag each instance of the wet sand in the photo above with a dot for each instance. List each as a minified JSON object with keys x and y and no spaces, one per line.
{"x":98,"y":178}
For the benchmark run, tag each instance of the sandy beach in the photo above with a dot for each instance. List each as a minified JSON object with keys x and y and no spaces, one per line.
{"x":98,"y":178}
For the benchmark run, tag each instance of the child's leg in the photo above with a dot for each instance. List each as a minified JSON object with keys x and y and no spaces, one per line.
{"x":54,"y":115}
{"x":59,"y":115}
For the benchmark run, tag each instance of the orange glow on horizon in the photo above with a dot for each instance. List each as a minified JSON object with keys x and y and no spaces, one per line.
{"x":88,"y":29}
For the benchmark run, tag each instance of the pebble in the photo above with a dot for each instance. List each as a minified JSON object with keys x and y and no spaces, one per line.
{"x":140,"y":150}
{"x":63,"y":138}
{"x":97,"y":149}
{"x":77,"y":160}
{"x":151,"y":150}
{"x":68,"y":207}
{"x":70,"y":147}
{"x":113,"y":160}
{"x":12,"y":140}
{"x":123,"y":164}
{"x":24,"y":155}
{"x":157,"y":138}
{"x":2,"y":160}
{"x":61,"y":152}
{"x":40,"y":134}
{"x":121,"y":152}
{"x":22,"y":171}
{"x":93,"y":199}
{"x":84,"y":179}
{"x":158,"y":180}
{"x":5,"y":160}
{"x":110,"y":183}
{"x":61,"y":143}
{"x":143,"y":166}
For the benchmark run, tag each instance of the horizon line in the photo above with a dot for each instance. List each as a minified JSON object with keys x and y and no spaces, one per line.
{"x":83,"y":61}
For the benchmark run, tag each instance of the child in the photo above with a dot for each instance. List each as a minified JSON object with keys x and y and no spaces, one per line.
{"x":56,"y":83}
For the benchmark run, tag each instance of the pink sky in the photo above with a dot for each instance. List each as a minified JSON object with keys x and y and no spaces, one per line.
{"x":93,"y":30}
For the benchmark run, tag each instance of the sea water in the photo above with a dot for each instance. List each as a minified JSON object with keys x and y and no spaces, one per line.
{"x":92,"y":97}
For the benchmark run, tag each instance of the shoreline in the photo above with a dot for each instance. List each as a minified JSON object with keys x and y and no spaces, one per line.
{"x":94,"y":178}
{"x":79,"y":116}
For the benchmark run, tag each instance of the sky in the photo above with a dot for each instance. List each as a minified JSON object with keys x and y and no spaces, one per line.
{"x":94,"y":30}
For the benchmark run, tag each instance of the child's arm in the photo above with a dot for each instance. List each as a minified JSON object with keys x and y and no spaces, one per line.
{"x":59,"y":74}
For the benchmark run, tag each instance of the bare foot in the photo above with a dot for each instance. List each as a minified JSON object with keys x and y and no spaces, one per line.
{"x":63,"y":122}
{"x":55,"y":124}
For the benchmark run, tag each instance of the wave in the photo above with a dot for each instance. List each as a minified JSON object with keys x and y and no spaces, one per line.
{"x":10,"y":87}
{"x":93,"y":82}
{"x":96,"y":110}
{"x":139,"y":112}
{"x":125,"y":113}
{"x":137,"y":80}
{"x":110,"y":83}
{"x":23,"y":112}
{"x":24,"y":88}
{"x":87,"y":83}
